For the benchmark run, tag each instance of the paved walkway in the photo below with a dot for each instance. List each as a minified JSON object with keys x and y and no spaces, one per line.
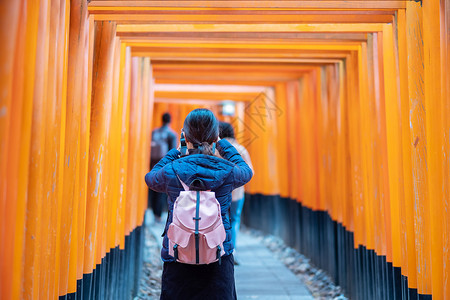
{"x":259,"y":275}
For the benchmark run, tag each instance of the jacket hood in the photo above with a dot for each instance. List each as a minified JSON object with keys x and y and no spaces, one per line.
{"x":211,"y":170}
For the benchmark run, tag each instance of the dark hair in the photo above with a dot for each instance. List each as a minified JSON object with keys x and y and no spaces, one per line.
{"x":166,"y":118}
{"x":201,"y":128}
{"x":226,"y":130}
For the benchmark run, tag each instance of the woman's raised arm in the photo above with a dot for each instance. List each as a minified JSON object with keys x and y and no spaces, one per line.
{"x":155,"y":179}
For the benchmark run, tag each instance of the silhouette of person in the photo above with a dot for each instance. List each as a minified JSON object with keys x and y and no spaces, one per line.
{"x":163,"y":140}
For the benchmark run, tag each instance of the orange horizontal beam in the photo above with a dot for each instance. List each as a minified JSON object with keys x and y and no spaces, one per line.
{"x":231,"y":69}
{"x":219,"y":67}
{"x":246,"y":82}
{"x":159,"y":18}
{"x":272,"y":5}
{"x":280,"y":13}
{"x":358,"y":27}
{"x":220,"y":73}
{"x":294,"y":61}
{"x":187,"y":101}
{"x":210,"y":88}
{"x":177,"y":54}
{"x":188,"y":52}
{"x":321,"y":41}
{"x":206,"y":95}
{"x":223,"y":77}
{"x":248,"y":47}
{"x":278,"y":37}
{"x":243,"y":11}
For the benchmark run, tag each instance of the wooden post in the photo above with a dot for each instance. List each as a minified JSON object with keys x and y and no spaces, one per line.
{"x":436,"y":156}
{"x":100,"y":126}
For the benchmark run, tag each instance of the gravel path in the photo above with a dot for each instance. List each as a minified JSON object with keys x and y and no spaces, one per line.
{"x":150,"y":284}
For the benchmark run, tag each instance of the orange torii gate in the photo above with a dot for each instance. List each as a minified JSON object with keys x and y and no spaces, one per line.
{"x":352,"y":145}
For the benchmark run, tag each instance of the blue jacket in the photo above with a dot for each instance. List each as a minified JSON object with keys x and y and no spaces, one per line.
{"x":219,"y":175}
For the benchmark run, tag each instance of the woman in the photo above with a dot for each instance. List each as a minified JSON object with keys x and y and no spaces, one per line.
{"x":220,"y":175}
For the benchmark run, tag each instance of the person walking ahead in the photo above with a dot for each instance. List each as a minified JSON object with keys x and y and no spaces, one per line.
{"x":238,"y":196}
{"x":163,"y":139}
{"x":218,"y":175}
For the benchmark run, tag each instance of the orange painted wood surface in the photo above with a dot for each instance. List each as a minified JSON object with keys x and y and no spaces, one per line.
{"x":342,"y":105}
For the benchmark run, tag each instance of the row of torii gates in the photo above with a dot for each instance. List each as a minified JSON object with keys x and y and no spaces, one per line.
{"x":343,"y":106}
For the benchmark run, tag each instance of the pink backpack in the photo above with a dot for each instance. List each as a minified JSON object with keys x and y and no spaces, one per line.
{"x":196,"y":234}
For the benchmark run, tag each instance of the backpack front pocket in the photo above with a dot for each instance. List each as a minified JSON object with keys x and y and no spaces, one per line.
{"x":182,"y":245}
{"x":178,"y":235}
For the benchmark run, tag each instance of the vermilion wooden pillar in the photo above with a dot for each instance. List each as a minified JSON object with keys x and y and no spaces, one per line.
{"x":100,"y":126}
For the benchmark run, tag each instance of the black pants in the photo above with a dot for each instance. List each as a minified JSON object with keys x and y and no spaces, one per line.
{"x":213,"y":281}
{"x":157,"y":202}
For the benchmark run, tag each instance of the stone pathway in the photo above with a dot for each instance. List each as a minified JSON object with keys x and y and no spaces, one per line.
{"x":260,"y":275}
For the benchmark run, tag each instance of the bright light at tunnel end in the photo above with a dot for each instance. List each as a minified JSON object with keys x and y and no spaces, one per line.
{"x":228,"y":108}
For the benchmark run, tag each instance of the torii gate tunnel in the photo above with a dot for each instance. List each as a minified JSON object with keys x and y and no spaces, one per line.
{"x":343,"y":105}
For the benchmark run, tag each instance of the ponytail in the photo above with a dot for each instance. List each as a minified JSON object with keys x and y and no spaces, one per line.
{"x":202,"y":148}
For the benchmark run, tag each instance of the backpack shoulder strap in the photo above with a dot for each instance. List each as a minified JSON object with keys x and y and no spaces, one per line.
{"x":186,"y":188}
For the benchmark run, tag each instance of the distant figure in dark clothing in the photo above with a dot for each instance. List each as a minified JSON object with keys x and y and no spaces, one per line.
{"x":163,"y":139}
